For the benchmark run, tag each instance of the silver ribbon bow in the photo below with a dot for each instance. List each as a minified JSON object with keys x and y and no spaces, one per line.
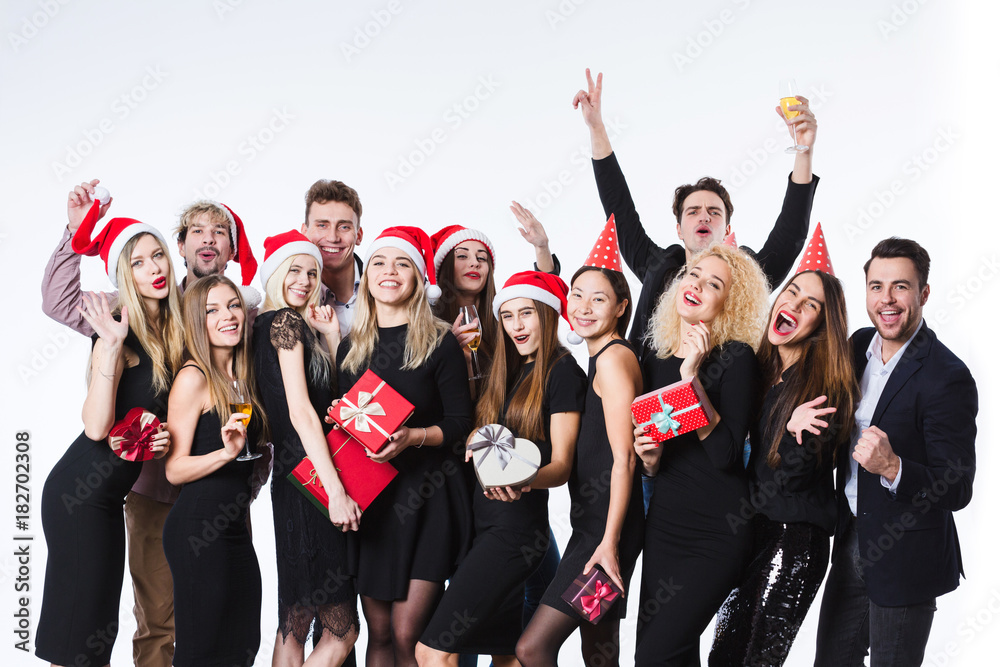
{"x":500,"y":441}
{"x":362,"y":412}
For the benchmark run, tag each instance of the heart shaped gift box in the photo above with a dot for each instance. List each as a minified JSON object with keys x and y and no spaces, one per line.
{"x":503,"y":460}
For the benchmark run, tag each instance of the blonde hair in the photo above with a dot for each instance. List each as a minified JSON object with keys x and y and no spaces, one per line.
{"x":216,"y":215}
{"x":423,"y":335}
{"x":200,"y":350}
{"x":164,"y":343}
{"x":744,"y":313}
{"x":274,"y":299}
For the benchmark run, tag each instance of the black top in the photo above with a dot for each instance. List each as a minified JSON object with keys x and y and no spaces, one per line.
{"x":656,"y":267}
{"x":800,"y":489}
{"x":703,"y":481}
{"x":565,"y":391}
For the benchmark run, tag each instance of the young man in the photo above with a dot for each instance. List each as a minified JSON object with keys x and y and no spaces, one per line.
{"x":910,"y":466}
{"x":206,"y":241}
{"x":702,"y":210}
{"x":333,"y":223}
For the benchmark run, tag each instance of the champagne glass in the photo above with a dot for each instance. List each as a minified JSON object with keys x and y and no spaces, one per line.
{"x":242,"y":404}
{"x":787,"y":90}
{"x":470,"y":315}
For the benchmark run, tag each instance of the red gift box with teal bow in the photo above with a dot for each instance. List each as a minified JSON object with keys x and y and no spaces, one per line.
{"x":673,"y":410}
{"x":591,"y":595}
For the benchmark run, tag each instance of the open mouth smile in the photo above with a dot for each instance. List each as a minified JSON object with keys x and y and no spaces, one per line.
{"x":691,"y":299}
{"x":784,"y":323}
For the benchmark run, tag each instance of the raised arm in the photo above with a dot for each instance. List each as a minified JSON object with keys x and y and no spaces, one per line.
{"x":533,"y":232}
{"x":723,"y":439}
{"x":61,"y":293}
{"x":106,"y":365}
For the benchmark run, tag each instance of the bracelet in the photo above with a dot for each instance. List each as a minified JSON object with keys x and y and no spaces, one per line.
{"x":423,"y":439}
{"x":110,"y":377}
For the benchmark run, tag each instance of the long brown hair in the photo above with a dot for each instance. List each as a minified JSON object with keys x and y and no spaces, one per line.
{"x":447,"y":306}
{"x":825,"y":367}
{"x":200,"y":351}
{"x":524,"y":414}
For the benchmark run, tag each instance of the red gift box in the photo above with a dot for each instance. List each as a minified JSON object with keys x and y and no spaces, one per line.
{"x":592,"y":595}
{"x":132,"y":437}
{"x":372,"y":411}
{"x":668,"y":412}
{"x":363,"y":479}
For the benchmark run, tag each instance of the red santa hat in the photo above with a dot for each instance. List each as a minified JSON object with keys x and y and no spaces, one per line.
{"x":110,"y":241}
{"x":816,"y":257}
{"x":417,"y":246}
{"x":243,"y":256}
{"x":543,"y":287}
{"x":280,"y":247}
{"x":605,"y":254}
{"x":730,"y":240}
{"x":448,"y":238}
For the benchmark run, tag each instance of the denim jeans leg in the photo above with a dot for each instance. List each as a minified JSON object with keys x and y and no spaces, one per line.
{"x":899,"y":634}
{"x":843,"y":634}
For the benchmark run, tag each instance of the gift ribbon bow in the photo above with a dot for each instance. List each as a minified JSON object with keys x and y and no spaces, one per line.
{"x":592,"y":603}
{"x":132,"y":437}
{"x":499,"y":440}
{"x":664,"y":420}
{"x":361,"y":413}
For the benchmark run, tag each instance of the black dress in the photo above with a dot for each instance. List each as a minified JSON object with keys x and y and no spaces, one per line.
{"x":796,"y":515}
{"x":487,"y":590}
{"x":590,"y":496}
{"x":217,"y":586}
{"x":696,"y":544}
{"x":85,"y":533}
{"x":312,"y":555}
{"x":420,"y":525}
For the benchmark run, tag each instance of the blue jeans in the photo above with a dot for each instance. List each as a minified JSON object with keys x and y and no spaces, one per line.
{"x":849,"y":622}
{"x":647,"y":493}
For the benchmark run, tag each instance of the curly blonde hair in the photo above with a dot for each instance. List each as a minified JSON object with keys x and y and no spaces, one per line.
{"x":744,"y":313}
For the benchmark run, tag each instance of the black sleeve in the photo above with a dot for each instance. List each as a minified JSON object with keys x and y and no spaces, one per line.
{"x":735,"y":388}
{"x":556,"y":267}
{"x":452,"y":379}
{"x":799,"y":462}
{"x":638,"y":250}
{"x":788,"y":236}
{"x":287,"y":329}
{"x":566,"y":390}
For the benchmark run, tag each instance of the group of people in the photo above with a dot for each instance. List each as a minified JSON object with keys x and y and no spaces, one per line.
{"x":733,"y":519}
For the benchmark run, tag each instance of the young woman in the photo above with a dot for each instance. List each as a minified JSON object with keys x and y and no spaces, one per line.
{"x":412,"y":535}
{"x":536,"y":390}
{"x":295,"y":381}
{"x":217,"y":586}
{"x":137,"y":349}
{"x":607,"y":527}
{"x":806,"y":361}
{"x":705,"y":325}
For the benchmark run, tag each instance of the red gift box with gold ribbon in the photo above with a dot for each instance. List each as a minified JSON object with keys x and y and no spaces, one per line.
{"x":132,"y":437}
{"x":372,"y":411}
{"x":591,"y":595}
{"x":363,"y":479}
{"x":675,"y":409}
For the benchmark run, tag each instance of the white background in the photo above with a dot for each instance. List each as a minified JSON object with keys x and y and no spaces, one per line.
{"x":362,"y":88}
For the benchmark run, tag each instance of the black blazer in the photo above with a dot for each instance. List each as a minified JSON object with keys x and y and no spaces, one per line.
{"x":908,"y":543}
{"x":656,"y":267}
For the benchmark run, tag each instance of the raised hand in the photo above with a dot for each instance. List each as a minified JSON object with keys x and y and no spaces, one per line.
{"x":529,"y":227}
{"x":324,"y":320}
{"x":696,"y":342}
{"x":234,"y":434}
{"x":874,"y":453}
{"x":802,"y":128}
{"x":465,"y":332}
{"x":805,"y":418}
{"x":81,"y":198}
{"x":589,"y":101}
{"x":98,"y":314}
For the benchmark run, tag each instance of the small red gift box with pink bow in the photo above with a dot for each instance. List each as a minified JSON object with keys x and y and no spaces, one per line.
{"x":363,"y":479}
{"x":592,"y":595}
{"x":372,"y":411}
{"x":132,"y":437}
{"x":678,"y":408}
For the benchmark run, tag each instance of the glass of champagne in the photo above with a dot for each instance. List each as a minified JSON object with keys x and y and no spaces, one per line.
{"x":242,"y":404}
{"x":470,"y":315}
{"x":787,"y":90}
